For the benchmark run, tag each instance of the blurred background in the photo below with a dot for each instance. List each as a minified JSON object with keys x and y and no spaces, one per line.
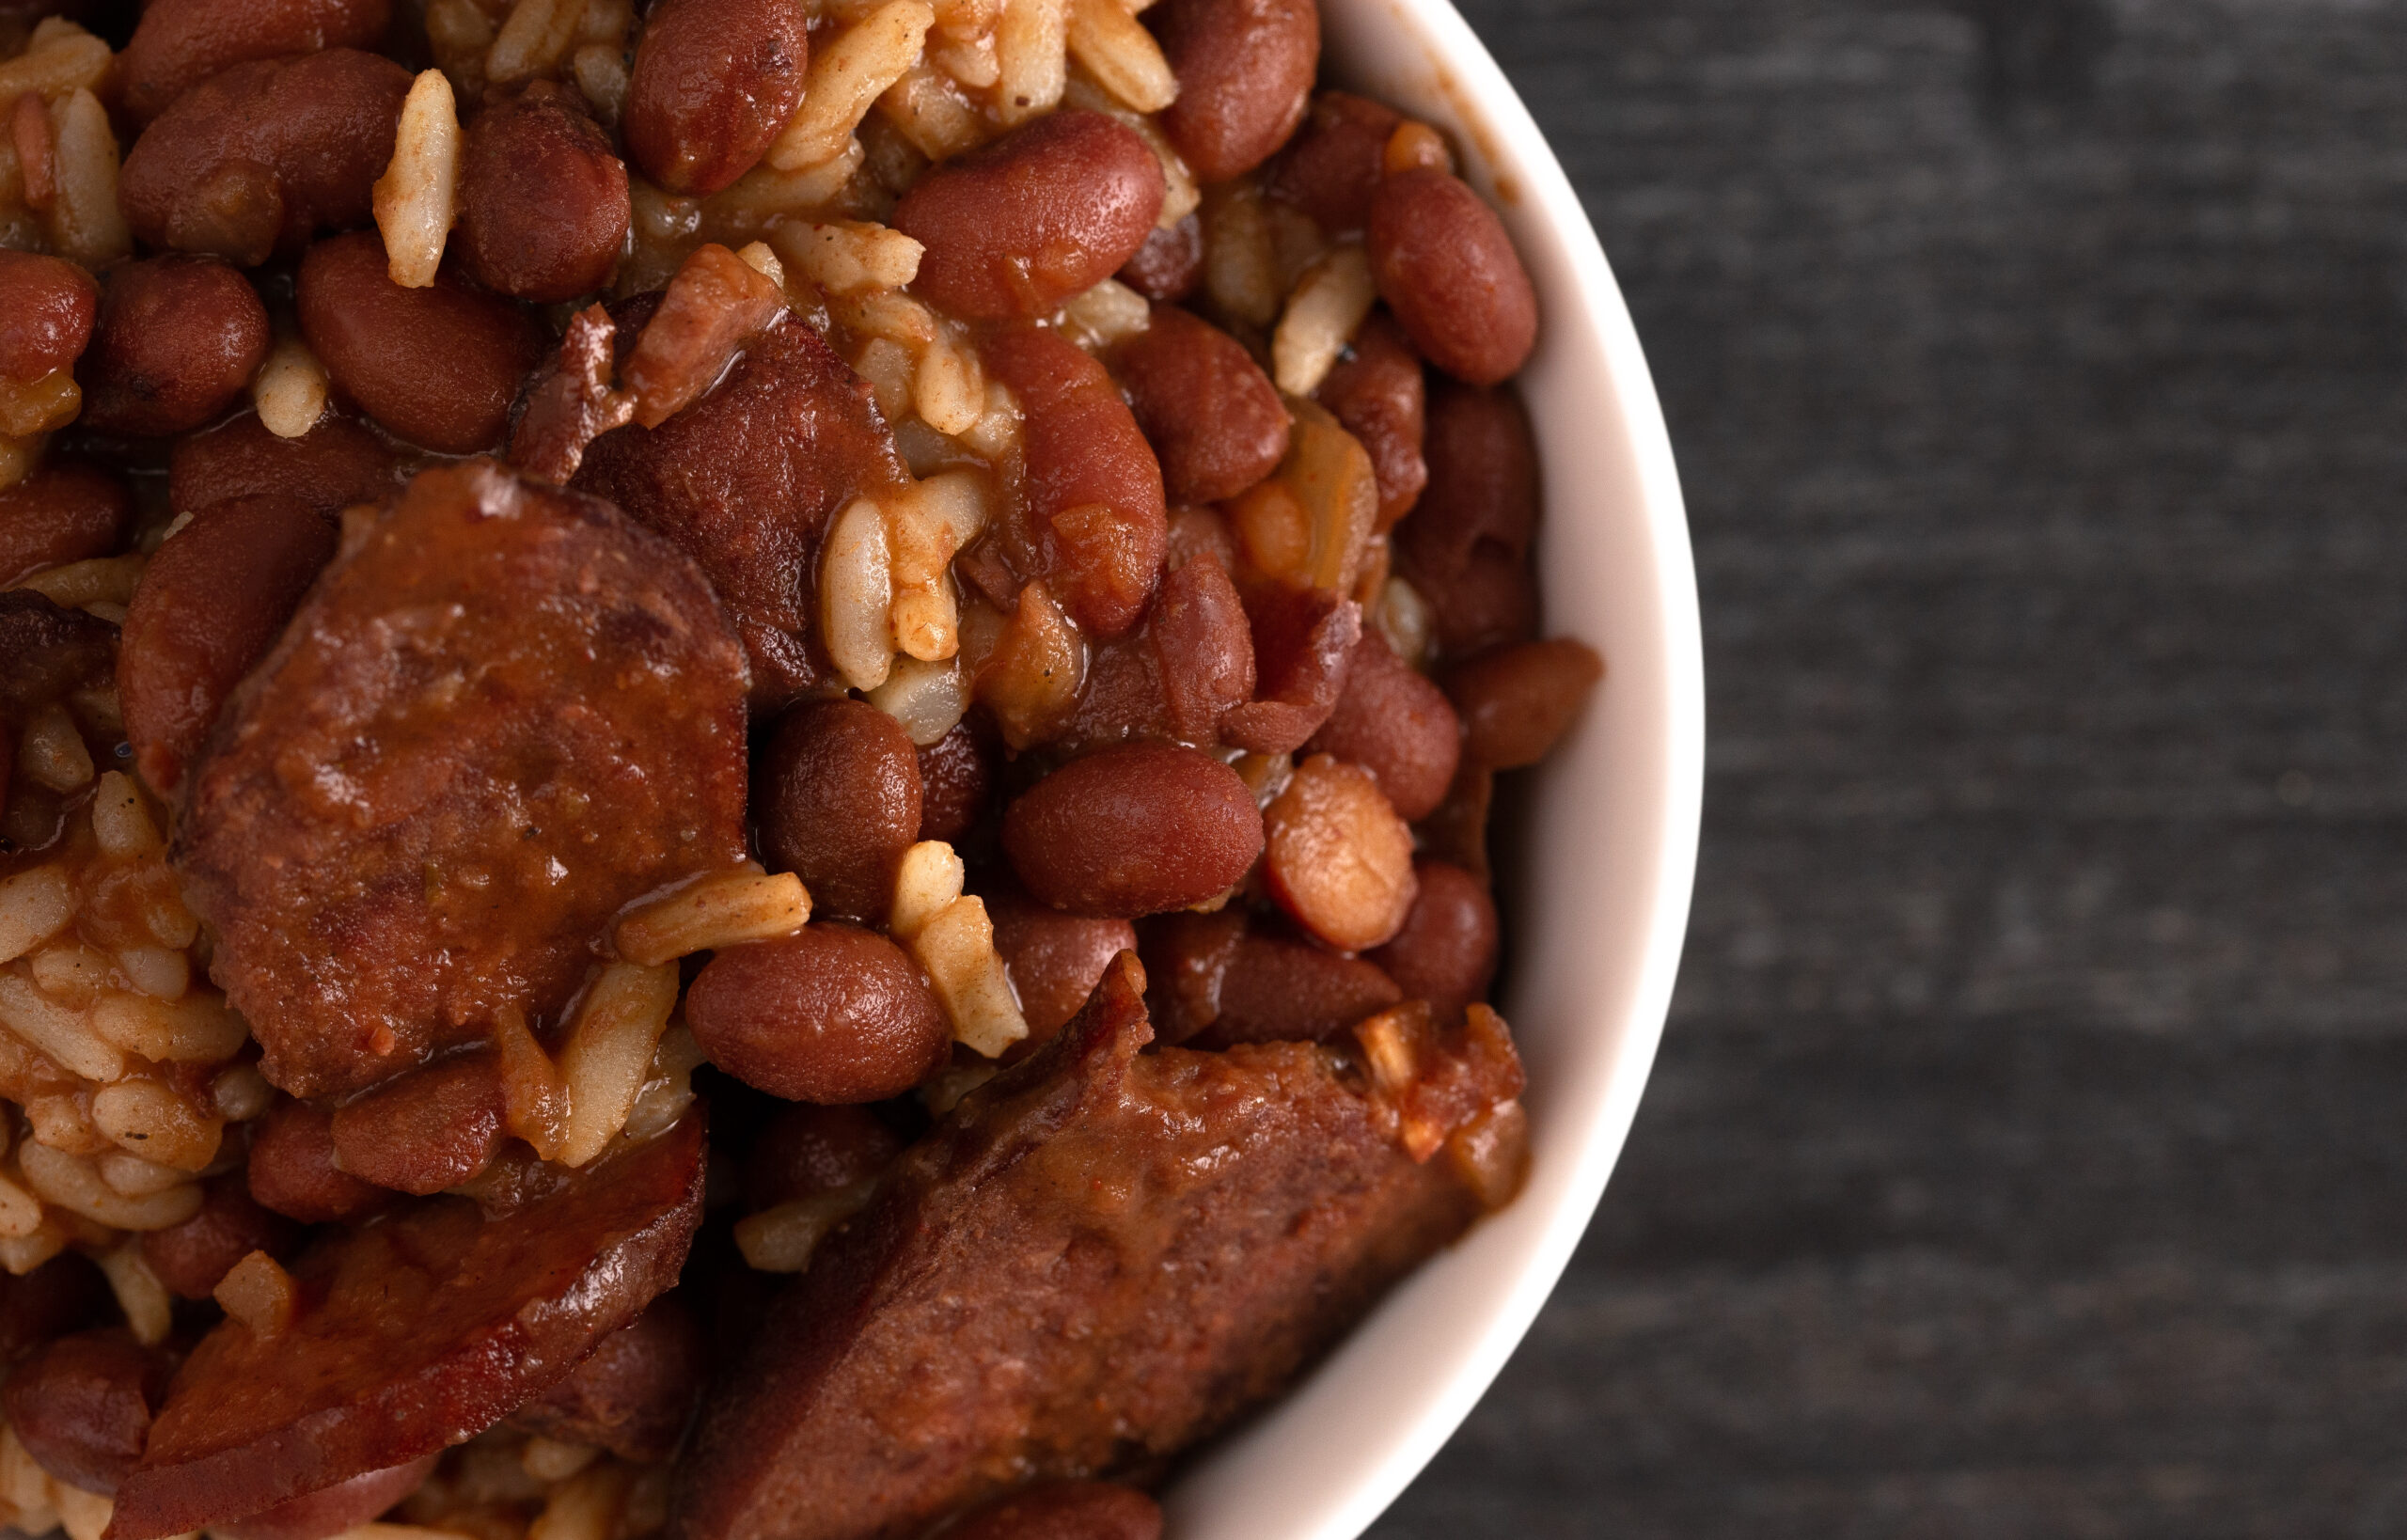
{"x":2027,"y":1156}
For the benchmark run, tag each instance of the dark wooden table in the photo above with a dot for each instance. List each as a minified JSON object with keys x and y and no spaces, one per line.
{"x":2028,"y":1152}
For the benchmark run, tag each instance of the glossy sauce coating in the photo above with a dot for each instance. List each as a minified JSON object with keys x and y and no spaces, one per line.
{"x":46,"y":310}
{"x":178,"y":341}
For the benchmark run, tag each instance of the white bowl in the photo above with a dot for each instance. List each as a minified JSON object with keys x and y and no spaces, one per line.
{"x":1602,"y":892}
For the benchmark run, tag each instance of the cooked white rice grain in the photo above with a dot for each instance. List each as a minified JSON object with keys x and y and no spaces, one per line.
{"x":855,"y":593}
{"x":163,"y":973}
{"x":1032,"y":47}
{"x":73,"y":1184}
{"x":929,"y":108}
{"x":1120,"y":54}
{"x":763,"y":196}
{"x":608,"y":1052}
{"x":196,"y":1028}
{"x":587,"y":1505}
{"x":76,"y":584}
{"x":135,"y":1177}
{"x":1104,"y":316}
{"x":56,"y":1031}
{"x":928,"y":878}
{"x":533,"y":41}
{"x":241,"y":1094}
{"x":956,"y":948}
{"x":20,"y":1210}
{"x":845,"y":77}
{"x":59,"y":60}
{"x":1240,"y":261}
{"x":84,"y":1515}
{"x":783,"y":1237}
{"x":417,"y":198}
{"x":153,"y":1120}
{"x":600,"y":71}
{"x":746,"y":905}
{"x":34,"y":905}
{"x":1323,"y":314}
{"x":927,"y":699}
{"x":84,"y":222}
{"x":848,"y":256}
{"x":290,"y":389}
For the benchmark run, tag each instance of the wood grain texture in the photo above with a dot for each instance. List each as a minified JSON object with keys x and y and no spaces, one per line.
{"x":2028,"y":1152}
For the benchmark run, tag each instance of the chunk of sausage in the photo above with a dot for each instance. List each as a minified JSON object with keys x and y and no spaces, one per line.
{"x":1096,"y":523}
{"x":82,"y":1406}
{"x":211,"y":602}
{"x":747,"y":478}
{"x":292,"y":1171}
{"x":177,"y":341}
{"x":333,"y":1510}
{"x":1446,"y":952}
{"x":1332,"y":167}
{"x":1049,"y":211}
{"x":191,"y":1257}
{"x":427,"y":1130}
{"x":68,"y":510}
{"x":438,"y":366}
{"x":831,"y":1013}
{"x":519,"y":711}
{"x":1245,"y":75}
{"x":634,"y":1394}
{"x":1449,"y":274}
{"x":1397,"y":724}
{"x":1006,"y":1236}
{"x":1519,"y":701}
{"x":806,"y":1150}
{"x":412,"y":1335}
{"x":46,"y":310}
{"x":1065,"y":1510}
{"x":1054,"y":958}
{"x":257,"y":158}
{"x":543,"y":209}
{"x":714,"y":81}
{"x":1134,"y":830}
{"x":837,"y":801}
{"x":1376,"y":393}
{"x":338,"y":463}
{"x":1209,"y":412}
{"x":179,"y":43}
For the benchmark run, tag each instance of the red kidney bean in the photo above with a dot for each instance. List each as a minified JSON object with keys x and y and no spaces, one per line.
{"x":1049,"y":211}
{"x":191,"y":1257}
{"x":1245,"y":75}
{"x":1446,"y":952}
{"x":1281,"y":991}
{"x":805,"y":1150}
{"x":1096,"y":515}
{"x":633,"y":1393}
{"x":1065,"y":1510}
{"x":1395,"y":724}
{"x":1339,"y":860}
{"x":1054,"y":958}
{"x":336,"y":463}
{"x":439,"y":366}
{"x":1490,"y":601}
{"x":830,"y":1013}
{"x":1187,"y":957}
{"x":1517,"y":702}
{"x":46,"y":309}
{"x":1209,"y":412}
{"x":1377,"y":392}
{"x":177,"y":341}
{"x":1449,"y":271}
{"x":66,"y":1293}
{"x":82,"y":1406}
{"x":1134,"y":830}
{"x":1333,"y":165}
{"x":836,"y":800}
{"x":543,"y":209}
{"x":432,"y":1128}
{"x":1203,"y":649}
{"x":256,"y":159}
{"x":1483,"y":479}
{"x":330,"y":1511}
{"x":957,"y":783}
{"x":1303,"y":644}
{"x":179,"y":43}
{"x":1170,"y":265}
{"x":68,"y":510}
{"x":293,"y":1168}
{"x":714,"y":83}
{"x":211,"y":602}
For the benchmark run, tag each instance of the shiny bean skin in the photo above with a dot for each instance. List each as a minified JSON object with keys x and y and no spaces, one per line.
{"x":1134,"y":830}
{"x":1377,"y":392}
{"x":211,"y":602}
{"x":1170,"y":265}
{"x":179,"y":43}
{"x":544,"y":208}
{"x":191,"y":1257}
{"x":1054,"y":958}
{"x":836,"y":800}
{"x":1517,"y":702}
{"x":293,"y":1168}
{"x":1397,"y":724}
{"x":1483,"y":478}
{"x":256,"y":159}
{"x":831,"y":1013}
{"x":336,"y":463}
{"x":1271,"y":989}
{"x":82,"y":1406}
{"x":1491,"y":600}
{"x":439,"y":366}
{"x":1065,"y":1510}
{"x":1211,"y":415}
{"x":1449,"y":271}
{"x":714,"y":83}
{"x":1047,"y":212}
{"x":433,"y":1128}
{"x":957,"y":783}
{"x":1245,"y":75}
{"x":46,"y":310}
{"x":1340,"y":860}
{"x":68,"y":510}
{"x":1446,"y":952}
{"x":178,"y":341}
{"x":1095,"y":510}
{"x":333,"y":1510}
{"x":805,"y":1150}
{"x":1332,"y":167}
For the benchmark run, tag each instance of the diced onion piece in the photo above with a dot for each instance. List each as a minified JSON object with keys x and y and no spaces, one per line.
{"x":957,"y":949}
{"x":928,"y":698}
{"x":258,"y":1292}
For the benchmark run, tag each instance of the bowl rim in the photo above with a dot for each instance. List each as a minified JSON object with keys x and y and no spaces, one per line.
{"x":1408,"y":1374}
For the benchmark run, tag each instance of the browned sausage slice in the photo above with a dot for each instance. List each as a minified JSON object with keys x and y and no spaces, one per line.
{"x":505,"y":714}
{"x":413,"y":1334}
{"x":1155,"y":1242}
